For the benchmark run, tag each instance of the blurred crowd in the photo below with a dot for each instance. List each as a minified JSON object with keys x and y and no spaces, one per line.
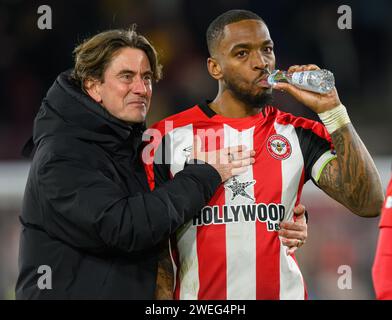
{"x":304,"y":32}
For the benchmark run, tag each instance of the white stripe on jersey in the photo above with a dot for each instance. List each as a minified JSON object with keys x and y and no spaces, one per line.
{"x":189,"y":270}
{"x":291,"y":282}
{"x":240,"y":237}
{"x":180,"y":139}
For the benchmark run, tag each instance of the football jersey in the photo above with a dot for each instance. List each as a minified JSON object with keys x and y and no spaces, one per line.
{"x":231,"y":249}
{"x":386,"y":215}
{"x":382,"y":266}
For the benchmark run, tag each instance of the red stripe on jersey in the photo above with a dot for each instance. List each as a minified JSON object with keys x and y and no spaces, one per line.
{"x":268,"y":190}
{"x":149,"y":168}
{"x":149,"y":149}
{"x":211,"y":246}
{"x":212,"y":276}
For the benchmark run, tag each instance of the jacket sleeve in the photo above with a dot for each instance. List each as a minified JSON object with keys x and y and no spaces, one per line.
{"x":86,"y":209}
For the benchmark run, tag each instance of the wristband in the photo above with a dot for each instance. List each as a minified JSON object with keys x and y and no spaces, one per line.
{"x":335,"y":118}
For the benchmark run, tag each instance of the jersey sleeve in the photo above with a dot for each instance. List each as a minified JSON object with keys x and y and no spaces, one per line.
{"x":316,"y":146}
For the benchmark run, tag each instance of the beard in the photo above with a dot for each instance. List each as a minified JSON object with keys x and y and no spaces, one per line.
{"x":256,"y":101}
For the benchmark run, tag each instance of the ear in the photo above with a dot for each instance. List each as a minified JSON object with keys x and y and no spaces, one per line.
{"x":214,"y":68}
{"x":93,"y":88}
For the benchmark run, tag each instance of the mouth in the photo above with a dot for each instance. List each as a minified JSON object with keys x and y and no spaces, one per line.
{"x":137,"y":103}
{"x":262,"y":81}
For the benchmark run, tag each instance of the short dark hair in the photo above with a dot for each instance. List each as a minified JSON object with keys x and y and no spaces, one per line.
{"x":215,"y":29}
{"x":93,"y":55}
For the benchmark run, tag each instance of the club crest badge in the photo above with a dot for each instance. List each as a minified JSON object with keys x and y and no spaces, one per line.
{"x":279,"y":147}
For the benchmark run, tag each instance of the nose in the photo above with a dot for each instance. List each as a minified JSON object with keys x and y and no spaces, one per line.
{"x":138,"y":86}
{"x":259,"y":61}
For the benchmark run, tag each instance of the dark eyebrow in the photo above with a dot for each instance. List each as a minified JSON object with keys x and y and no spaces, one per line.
{"x":149,"y":72}
{"x":125,"y":71}
{"x":247,"y":45}
{"x":128,"y":71}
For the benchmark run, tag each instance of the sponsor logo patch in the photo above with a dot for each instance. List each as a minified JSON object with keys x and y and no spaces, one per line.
{"x":238,"y":188}
{"x":269,"y":213}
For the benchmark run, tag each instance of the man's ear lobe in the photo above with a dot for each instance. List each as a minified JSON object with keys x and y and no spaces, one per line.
{"x":92,"y":87}
{"x":214,"y":68}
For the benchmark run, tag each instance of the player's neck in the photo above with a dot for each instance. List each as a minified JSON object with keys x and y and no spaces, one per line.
{"x":228,"y":106}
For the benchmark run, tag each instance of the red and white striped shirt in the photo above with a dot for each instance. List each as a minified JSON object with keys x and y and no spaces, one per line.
{"x":232,"y":250}
{"x":382,"y":267}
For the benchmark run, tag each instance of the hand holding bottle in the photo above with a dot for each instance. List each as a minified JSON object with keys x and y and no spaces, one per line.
{"x":316,"y":101}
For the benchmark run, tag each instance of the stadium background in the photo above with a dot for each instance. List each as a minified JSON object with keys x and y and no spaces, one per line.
{"x":303,"y":31}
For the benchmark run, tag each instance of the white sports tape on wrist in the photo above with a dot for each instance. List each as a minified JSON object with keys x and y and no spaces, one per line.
{"x":335,"y":118}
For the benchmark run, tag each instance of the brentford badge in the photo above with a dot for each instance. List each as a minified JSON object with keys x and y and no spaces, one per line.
{"x":279,"y":147}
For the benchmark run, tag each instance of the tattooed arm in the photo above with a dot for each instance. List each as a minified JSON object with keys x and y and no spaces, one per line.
{"x":165,"y":276}
{"x":351,"y":178}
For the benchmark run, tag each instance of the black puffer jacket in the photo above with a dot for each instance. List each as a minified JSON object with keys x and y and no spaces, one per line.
{"x":88,"y":213}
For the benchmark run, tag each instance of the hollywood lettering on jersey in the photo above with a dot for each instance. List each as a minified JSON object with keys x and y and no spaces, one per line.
{"x":210,"y":138}
{"x":271,"y":214}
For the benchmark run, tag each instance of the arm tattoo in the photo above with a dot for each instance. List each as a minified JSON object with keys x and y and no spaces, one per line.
{"x":352,"y":179}
{"x":165,"y":276}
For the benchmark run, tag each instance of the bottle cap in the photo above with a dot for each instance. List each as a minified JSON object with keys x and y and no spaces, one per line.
{"x":271,"y":78}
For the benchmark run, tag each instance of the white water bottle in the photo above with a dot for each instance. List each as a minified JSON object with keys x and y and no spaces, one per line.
{"x":320,"y":81}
